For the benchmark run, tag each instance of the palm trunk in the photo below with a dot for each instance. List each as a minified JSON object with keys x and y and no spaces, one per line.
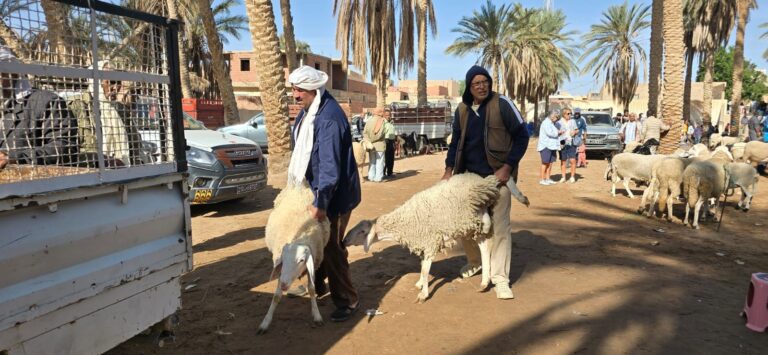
{"x":738,"y":65}
{"x":421,"y":83}
{"x":14,"y":43}
{"x":706,"y":116}
{"x":657,"y":55}
{"x":261,"y":21}
{"x":55,"y":19}
{"x":288,"y":36}
{"x":186,"y":88}
{"x":220,"y":72}
{"x":535,"y":110}
{"x":687,"y":87}
{"x":672,"y":102}
{"x":381,"y":90}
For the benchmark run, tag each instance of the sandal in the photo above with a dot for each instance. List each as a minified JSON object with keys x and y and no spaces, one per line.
{"x":343,"y":313}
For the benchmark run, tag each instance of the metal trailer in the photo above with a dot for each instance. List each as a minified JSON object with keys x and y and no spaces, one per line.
{"x":429,"y":125}
{"x":93,"y":239}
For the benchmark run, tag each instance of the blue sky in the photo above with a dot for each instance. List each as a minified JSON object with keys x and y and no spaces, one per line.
{"x":315,"y":24}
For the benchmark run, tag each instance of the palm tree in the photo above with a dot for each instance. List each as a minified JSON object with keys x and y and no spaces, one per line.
{"x":290,"y":40}
{"x":537,"y":54}
{"x":657,"y":56}
{"x":674,"y":67}
{"x":220,"y":72}
{"x":484,"y":33}
{"x":367,"y":31}
{"x":8,"y":36}
{"x":742,"y":13}
{"x":616,"y":50}
{"x":56,"y":16}
{"x":269,"y":69}
{"x":186,"y":89}
{"x":708,"y":26}
{"x":425,"y":16}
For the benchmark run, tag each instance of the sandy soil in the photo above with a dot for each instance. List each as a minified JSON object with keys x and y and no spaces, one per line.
{"x":589,"y":275}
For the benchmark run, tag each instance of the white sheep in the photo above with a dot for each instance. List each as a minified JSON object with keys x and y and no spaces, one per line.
{"x":745,"y":177}
{"x":755,"y":152}
{"x":699,"y":150}
{"x":716,"y":139}
{"x":631,"y":166}
{"x":704,"y":180}
{"x":666,"y":181}
{"x":435,"y":219}
{"x":296,"y":242}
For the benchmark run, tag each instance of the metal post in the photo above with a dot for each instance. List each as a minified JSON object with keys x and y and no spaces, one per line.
{"x":177,"y":115}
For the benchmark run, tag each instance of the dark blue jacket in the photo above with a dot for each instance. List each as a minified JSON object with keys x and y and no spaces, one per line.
{"x":332,"y":172}
{"x":475,"y":160}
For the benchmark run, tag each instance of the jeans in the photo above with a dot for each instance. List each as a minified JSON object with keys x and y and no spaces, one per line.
{"x":376,"y":166}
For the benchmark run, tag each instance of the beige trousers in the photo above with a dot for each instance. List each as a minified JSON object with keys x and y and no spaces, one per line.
{"x":501,"y":242}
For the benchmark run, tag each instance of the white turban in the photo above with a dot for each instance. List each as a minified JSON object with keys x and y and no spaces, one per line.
{"x":6,"y":55}
{"x":308,"y":78}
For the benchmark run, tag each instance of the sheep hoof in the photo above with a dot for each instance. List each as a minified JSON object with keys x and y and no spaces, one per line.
{"x":418,"y":284}
{"x":261,"y":331}
{"x":745,"y":209}
{"x":317,"y":323}
{"x":421,"y":299}
{"x":483,"y":287}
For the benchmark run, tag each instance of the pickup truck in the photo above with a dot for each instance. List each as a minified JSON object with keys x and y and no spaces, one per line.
{"x":91,"y":251}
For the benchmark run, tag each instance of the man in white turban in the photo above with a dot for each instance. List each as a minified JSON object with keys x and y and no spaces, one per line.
{"x":323,"y":157}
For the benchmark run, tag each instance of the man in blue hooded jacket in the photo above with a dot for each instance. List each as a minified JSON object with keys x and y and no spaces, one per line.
{"x":489,"y":137}
{"x":323,"y":157}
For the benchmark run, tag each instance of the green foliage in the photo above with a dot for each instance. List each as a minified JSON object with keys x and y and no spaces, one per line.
{"x":615,"y":49}
{"x":753,"y":82}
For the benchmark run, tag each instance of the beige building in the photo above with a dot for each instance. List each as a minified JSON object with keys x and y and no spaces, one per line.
{"x":346,"y":86}
{"x":437,"y":90}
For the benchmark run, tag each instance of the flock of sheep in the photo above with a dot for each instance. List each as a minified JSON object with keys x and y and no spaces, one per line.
{"x":436,"y":218}
{"x":700,"y":175}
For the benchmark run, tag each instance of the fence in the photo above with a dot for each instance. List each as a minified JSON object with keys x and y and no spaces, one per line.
{"x":89,"y":95}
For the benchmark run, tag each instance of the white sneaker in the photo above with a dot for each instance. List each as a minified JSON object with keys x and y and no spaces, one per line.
{"x":468,"y":270}
{"x":562,"y":180}
{"x":543,"y":182}
{"x":550,"y":182}
{"x":571,"y":180}
{"x":503,"y":292}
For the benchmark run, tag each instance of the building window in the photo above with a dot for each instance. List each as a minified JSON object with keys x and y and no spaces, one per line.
{"x":245,"y":65}
{"x":317,"y":66}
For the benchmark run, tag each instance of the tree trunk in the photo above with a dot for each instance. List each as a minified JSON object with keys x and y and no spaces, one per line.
{"x":186,"y":88}
{"x":687,"y":87}
{"x":261,"y":21}
{"x":535,"y":111}
{"x":672,"y":101}
{"x":706,"y":116}
{"x":12,"y":40}
{"x":738,"y":64}
{"x":220,"y":71}
{"x":421,"y":83}
{"x":288,"y":36}
{"x":657,"y":55}
{"x":56,"y":20}
{"x":381,"y":91}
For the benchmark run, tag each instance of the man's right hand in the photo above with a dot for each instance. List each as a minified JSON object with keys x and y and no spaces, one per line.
{"x":3,"y":160}
{"x":448,"y":173}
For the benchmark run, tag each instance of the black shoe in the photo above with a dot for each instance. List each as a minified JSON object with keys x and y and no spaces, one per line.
{"x":343,"y":313}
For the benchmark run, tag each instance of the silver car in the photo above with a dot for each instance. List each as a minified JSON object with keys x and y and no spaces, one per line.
{"x":602,"y":135}
{"x":254,"y":129}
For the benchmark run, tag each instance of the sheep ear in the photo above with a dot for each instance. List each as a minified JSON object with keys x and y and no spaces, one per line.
{"x":370,"y":239}
{"x":276,"y":270}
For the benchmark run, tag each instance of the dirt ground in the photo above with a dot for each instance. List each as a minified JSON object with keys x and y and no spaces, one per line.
{"x":589,"y":274}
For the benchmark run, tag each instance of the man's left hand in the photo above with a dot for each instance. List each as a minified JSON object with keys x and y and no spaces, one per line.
{"x":503,"y":173}
{"x":317,"y":213}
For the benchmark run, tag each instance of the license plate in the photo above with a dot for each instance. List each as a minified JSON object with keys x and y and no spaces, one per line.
{"x":242,"y":189}
{"x":202,"y":196}
{"x":594,"y":141}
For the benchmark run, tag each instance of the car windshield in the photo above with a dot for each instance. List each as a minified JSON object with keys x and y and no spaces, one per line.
{"x":193,"y":124}
{"x":598,"y":119}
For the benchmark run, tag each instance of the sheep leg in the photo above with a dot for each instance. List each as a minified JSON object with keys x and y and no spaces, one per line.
{"x":614,"y":180}
{"x":687,"y":210}
{"x":316,"y":317}
{"x":486,"y":218}
{"x":645,"y":198}
{"x":674,"y":191}
{"x":268,"y":318}
{"x":626,"y":187}
{"x":696,"y":210}
{"x":424,"y":294}
{"x":485,"y":257}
